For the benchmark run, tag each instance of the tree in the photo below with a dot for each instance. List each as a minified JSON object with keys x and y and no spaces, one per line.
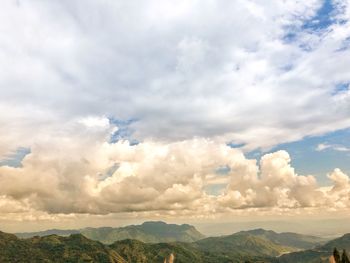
{"x":336,"y":255}
{"x":344,"y":257}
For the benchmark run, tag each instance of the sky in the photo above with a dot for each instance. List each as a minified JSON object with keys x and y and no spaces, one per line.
{"x":114,"y":112}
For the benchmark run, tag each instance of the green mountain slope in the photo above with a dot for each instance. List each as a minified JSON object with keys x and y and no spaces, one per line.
{"x":139,"y":252}
{"x":246,"y":246}
{"x":242,"y":245}
{"x":287,"y":238}
{"x":340,"y":243}
{"x":149,"y":232}
{"x":11,"y":247}
{"x":53,"y":248}
{"x":77,"y":248}
{"x":320,"y":253}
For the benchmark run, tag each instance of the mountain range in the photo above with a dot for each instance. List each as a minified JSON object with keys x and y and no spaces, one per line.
{"x":148,"y":232}
{"x":257,"y":245}
{"x":77,"y":248}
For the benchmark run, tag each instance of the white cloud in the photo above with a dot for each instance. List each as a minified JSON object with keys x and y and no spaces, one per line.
{"x":166,"y":178}
{"x":340,"y":180}
{"x":210,"y":69}
{"x":336,"y":147}
{"x":322,"y":146}
{"x":95,"y":122}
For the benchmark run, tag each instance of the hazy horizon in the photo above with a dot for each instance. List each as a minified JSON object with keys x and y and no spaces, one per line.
{"x":221,"y":114}
{"x":329,"y":228}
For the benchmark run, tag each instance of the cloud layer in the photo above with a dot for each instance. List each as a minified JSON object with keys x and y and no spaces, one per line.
{"x":241,"y":71}
{"x":85,"y":174}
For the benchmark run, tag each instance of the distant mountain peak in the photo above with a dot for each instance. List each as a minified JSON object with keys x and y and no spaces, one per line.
{"x":260,"y":231}
{"x":162,"y":223}
{"x":154,"y":223}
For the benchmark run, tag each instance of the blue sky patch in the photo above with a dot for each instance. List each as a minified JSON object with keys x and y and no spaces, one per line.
{"x":340,"y":88}
{"x":223,"y":170}
{"x":215,"y":189}
{"x":235,"y":145}
{"x":290,"y":36}
{"x":110,"y":171}
{"x":323,"y":18}
{"x":124,"y":131}
{"x":307,"y":160}
{"x":344,"y":45}
{"x":15,"y":158}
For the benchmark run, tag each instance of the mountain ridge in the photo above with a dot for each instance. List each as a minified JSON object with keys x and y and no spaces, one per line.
{"x":148,"y":232}
{"x":289,"y":239}
{"x":320,"y":253}
{"x":244,"y":246}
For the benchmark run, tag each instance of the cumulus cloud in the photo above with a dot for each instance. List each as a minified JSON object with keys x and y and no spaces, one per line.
{"x":72,"y":175}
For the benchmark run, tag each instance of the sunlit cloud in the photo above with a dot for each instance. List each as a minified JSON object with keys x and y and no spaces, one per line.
{"x":100,"y":177}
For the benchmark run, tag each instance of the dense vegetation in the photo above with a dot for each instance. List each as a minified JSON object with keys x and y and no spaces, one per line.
{"x":320,"y":253}
{"x":288,"y":239}
{"x":53,"y":248}
{"x":247,"y":246}
{"x":77,"y":248}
